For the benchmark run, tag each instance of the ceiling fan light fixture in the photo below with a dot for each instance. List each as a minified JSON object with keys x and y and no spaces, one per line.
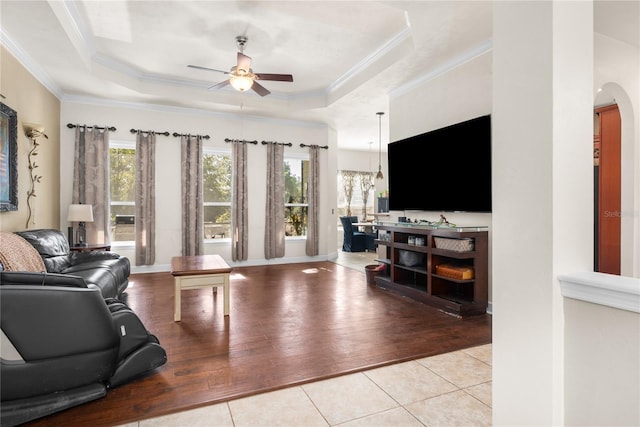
{"x":241,"y":83}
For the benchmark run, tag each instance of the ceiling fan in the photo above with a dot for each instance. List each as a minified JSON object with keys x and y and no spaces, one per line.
{"x":242,"y":77}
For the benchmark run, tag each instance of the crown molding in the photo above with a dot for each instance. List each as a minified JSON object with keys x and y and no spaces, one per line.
{"x":198,"y":112}
{"x":30,"y":65}
{"x":468,"y":55}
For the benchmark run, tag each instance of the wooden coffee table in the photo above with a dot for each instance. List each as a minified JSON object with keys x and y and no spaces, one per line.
{"x":199,"y":271}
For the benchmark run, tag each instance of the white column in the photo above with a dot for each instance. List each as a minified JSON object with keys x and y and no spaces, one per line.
{"x":542,"y":192}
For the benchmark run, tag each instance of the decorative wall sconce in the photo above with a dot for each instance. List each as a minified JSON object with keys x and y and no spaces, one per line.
{"x":33,"y":131}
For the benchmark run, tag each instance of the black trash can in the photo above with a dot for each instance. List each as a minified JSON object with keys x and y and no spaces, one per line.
{"x":373,"y":270}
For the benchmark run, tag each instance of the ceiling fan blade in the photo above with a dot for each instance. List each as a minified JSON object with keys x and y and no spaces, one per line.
{"x":244,"y":62}
{"x":207,"y":69}
{"x":275,"y":77}
{"x":219,"y":85}
{"x":260,"y":90}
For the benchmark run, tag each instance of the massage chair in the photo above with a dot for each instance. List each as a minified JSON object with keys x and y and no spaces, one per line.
{"x":63,"y":344}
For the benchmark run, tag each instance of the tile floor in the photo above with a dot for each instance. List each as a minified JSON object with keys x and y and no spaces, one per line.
{"x":451,"y":389}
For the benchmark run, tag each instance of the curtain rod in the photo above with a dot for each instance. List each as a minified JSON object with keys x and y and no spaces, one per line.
{"x":176,"y":134}
{"x":111,"y":128}
{"x":326,"y":147}
{"x":287,"y":144}
{"x":244,"y":141}
{"x":149,"y":131}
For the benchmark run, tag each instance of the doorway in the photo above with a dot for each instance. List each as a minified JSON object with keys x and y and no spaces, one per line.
{"x":607,"y":189}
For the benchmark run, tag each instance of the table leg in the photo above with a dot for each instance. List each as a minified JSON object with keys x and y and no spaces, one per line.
{"x":226,"y":294}
{"x":177,"y":292}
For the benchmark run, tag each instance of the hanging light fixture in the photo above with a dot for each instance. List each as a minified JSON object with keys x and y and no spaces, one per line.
{"x":379,"y":174}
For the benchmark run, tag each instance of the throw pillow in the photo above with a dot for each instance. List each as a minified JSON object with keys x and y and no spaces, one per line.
{"x":16,"y":254}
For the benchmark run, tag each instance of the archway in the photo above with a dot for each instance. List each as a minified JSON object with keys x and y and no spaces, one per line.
{"x":629,"y":221}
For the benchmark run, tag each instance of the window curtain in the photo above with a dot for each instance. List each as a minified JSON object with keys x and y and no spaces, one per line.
{"x":192,"y":206}
{"x":274,"y":226}
{"x":313,"y":196}
{"x":145,"y":198}
{"x":348,"y":181}
{"x":91,"y":179}
{"x":239,"y":203}
{"x":366,"y":184}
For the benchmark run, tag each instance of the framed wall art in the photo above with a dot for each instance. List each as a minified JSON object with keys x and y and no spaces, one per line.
{"x":8,"y":159}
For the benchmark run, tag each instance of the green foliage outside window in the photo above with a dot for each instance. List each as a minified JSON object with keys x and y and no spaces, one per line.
{"x":295,"y":193}
{"x":216,"y":177}
{"x":216,"y":171}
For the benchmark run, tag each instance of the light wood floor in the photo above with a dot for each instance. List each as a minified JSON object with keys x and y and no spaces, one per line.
{"x":289,"y":324}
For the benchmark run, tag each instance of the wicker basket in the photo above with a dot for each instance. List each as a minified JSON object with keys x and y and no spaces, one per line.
{"x":456,"y":245}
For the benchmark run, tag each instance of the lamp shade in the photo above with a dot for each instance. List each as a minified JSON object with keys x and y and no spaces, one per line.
{"x":80,"y":213}
{"x":241,"y":83}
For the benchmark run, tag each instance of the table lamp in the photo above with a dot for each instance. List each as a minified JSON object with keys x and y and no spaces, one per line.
{"x":80,"y":214}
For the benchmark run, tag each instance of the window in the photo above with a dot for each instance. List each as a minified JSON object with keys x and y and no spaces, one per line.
{"x":122,"y":179}
{"x":357,"y":205}
{"x":296,"y":175}
{"x":216,"y":177}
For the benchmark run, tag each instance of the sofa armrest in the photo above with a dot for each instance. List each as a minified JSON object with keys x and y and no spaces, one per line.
{"x":76,"y":258}
{"x":8,"y":278}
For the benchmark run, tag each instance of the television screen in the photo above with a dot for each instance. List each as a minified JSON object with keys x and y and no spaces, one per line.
{"x":448,"y":169}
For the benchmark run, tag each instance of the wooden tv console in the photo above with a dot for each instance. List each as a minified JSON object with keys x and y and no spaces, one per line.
{"x":428,"y":270}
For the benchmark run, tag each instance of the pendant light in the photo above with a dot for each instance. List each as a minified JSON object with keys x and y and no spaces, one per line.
{"x":379,"y":174}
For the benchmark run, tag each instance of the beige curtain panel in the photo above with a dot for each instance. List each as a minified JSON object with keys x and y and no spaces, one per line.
{"x":239,"y":204}
{"x":274,"y":226}
{"x":91,"y":179}
{"x":313,"y":196}
{"x":145,"y":198}
{"x":192,"y":196}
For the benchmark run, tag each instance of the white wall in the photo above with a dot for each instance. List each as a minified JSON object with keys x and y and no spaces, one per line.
{"x":461,"y":94}
{"x":602,"y":369}
{"x":219,"y":126}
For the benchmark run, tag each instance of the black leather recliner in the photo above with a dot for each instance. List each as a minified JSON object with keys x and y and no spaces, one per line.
{"x":107,"y":270}
{"x":63,"y":344}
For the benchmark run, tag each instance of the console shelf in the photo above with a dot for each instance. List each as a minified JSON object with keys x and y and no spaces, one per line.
{"x":411,"y":268}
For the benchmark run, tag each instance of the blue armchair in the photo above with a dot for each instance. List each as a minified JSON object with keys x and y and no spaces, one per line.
{"x":356,"y":241}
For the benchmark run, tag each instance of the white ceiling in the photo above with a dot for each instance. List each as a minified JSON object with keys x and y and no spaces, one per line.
{"x":346,"y":57}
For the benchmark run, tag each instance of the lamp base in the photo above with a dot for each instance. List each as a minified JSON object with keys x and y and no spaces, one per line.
{"x":81,"y":235}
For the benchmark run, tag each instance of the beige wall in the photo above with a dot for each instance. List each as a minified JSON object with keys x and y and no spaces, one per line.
{"x":34,"y":104}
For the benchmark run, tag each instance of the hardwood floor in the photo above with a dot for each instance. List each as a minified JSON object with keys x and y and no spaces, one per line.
{"x":289,"y":324}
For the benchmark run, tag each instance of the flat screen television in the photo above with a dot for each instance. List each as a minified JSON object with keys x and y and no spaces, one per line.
{"x":448,"y":169}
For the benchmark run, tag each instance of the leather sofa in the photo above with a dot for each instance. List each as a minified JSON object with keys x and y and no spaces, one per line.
{"x":106,"y":270}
